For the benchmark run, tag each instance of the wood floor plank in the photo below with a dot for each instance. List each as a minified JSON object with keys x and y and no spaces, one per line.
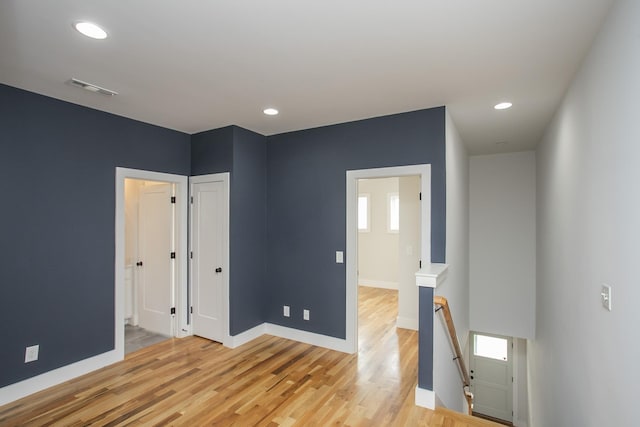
{"x":268,"y":382}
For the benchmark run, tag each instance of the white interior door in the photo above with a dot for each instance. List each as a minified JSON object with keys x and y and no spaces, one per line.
{"x":155,"y":265}
{"x":208,"y":270}
{"x":491,"y":369}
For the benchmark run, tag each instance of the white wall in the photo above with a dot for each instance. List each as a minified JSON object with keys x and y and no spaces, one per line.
{"x":521,"y":397}
{"x":447,"y":382}
{"x":502,"y":260}
{"x":378,"y":248}
{"x":584,"y":362}
{"x":408,"y":251}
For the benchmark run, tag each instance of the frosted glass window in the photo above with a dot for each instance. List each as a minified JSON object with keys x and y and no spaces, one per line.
{"x":363,"y":212}
{"x":394,"y":212}
{"x":491,"y":347}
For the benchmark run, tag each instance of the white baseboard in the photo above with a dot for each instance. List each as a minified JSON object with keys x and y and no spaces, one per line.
{"x":407,"y":323}
{"x":378,"y":284}
{"x":246,"y":336}
{"x":425,"y":398}
{"x":520,"y":423}
{"x":318,"y":340}
{"x":306,"y":337}
{"x":41,"y":382}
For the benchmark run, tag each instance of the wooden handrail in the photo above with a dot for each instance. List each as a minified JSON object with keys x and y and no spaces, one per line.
{"x":466,"y":382}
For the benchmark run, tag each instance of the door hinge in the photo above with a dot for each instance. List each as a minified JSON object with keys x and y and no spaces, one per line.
{"x":191,"y":199}
{"x":173,"y":199}
{"x":173,"y":255}
{"x":420,"y":264}
{"x":173,"y":310}
{"x":191,"y":309}
{"x":420,"y":195}
{"x":191,"y":255}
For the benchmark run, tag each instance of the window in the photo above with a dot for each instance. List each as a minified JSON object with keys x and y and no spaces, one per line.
{"x":363,"y":212}
{"x":491,"y":347}
{"x":393,"y":213}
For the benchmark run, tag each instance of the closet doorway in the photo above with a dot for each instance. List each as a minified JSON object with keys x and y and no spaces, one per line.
{"x":151,"y":257}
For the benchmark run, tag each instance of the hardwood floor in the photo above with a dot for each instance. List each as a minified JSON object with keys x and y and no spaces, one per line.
{"x":267,"y":382}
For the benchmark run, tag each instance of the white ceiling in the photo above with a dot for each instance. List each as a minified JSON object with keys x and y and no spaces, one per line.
{"x":195,"y":65}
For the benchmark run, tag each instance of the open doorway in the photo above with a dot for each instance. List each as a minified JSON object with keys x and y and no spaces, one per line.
{"x":150,"y":274}
{"x":389,"y":244}
{"x":151,"y":258}
{"x":421,"y":248}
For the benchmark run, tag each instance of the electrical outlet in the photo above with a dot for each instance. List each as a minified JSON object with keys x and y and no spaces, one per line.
{"x":285,"y":311}
{"x":31,"y":353}
{"x":305,"y":314}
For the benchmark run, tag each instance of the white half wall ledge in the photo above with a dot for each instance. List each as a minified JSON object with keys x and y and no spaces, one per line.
{"x":432,"y":275}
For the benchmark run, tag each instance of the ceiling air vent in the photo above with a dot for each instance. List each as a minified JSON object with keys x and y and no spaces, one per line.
{"x":91,"y":87}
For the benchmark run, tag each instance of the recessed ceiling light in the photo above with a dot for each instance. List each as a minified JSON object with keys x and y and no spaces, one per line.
{"x":270,"y":111}
{"x":90,"y":30}
{"x":503,"y":106}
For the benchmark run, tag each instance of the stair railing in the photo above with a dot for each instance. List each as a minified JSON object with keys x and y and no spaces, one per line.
{"x":442,"y":304}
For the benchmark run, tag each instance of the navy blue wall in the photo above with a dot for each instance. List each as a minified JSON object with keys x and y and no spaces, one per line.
{"x":57,"y":180}
{"x":212,"y":151}
{"x":244,"y":154}
{"x":425,"y":338}
{"x":248,"y":232}
{"x":306,"y":207}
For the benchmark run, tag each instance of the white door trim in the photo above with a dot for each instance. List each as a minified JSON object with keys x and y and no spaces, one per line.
{"x":217,"y":177}
{"x":424,"y":171}
{"x":182,"y":191}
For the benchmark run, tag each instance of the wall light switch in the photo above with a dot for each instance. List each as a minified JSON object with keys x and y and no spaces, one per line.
{"x":339,"y":257}
{"x":305,"y":314}
{"x":606,"y":296}
{"x":285,"y":311}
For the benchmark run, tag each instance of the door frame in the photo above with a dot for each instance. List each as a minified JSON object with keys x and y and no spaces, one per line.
{"x":424,"y":171}
{"x":181,"y":327}
{"x":223,"y":177}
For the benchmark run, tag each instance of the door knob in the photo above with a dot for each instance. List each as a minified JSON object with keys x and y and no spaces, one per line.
{"x":139,"y":263}
{"x":219,"y":270}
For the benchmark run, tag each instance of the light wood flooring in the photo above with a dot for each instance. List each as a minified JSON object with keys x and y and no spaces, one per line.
{"x":267,"y":382}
